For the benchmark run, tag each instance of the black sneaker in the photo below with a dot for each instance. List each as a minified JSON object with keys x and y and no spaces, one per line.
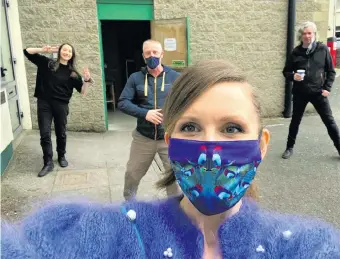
{"x":62,"y":161}
{"x":288,"y":153}
{"x":48,"y":167}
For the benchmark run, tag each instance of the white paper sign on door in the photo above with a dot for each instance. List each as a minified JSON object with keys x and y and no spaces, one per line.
{"x":170,"y":44}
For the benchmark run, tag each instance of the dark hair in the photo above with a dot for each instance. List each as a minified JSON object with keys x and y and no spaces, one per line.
{"x":192,"y":83}
{"x":54,"y":65}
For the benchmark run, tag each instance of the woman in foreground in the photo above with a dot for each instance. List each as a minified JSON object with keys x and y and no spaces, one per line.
{"x":216,"y":142}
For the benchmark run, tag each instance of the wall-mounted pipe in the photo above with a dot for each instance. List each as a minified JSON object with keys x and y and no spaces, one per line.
{"x":290,"y":46}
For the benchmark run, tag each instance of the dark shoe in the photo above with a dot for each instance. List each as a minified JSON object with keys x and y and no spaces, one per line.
{"x":288,"y":153}
{"x":48,"y":167}
{"x":62,"y":161}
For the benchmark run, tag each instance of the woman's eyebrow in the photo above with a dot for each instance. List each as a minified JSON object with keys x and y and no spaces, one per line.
{"x":234,"y":118}
{"x":189,"y":118}
{"x":229,"y":118}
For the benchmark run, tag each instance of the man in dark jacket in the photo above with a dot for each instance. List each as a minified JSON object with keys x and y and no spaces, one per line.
{"x":143,"y":97}
{"x":312,"y":84}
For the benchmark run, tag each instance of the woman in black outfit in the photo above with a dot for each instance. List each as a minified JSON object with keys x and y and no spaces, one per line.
{"x":54,"y":87}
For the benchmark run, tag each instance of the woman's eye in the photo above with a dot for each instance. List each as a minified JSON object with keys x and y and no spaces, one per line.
{"x":189,"y":127}
{"x":233,"y":128}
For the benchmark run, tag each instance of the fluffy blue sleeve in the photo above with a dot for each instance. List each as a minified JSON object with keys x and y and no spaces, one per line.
{"x":319,"y":240}
{"x":308,"y":238}
{"x":68,"y":231}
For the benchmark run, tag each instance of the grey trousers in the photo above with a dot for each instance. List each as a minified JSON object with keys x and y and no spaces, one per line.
{"x":142,"y":153}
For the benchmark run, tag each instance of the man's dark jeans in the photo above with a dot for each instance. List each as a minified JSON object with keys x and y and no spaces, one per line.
{"x":323,"y":108}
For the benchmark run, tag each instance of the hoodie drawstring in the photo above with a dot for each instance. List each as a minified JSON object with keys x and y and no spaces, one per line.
{"x":163,"y":82}
{"x":146,"y":84}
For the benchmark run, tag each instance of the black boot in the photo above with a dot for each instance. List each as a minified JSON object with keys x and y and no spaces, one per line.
{"x":48,"y":167}
{"x":288,"y":153}
{"x":62,"y":161}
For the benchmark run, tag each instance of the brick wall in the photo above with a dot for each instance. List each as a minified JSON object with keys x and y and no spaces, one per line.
{"x":54,"y":22}
{"x":249,"y":33}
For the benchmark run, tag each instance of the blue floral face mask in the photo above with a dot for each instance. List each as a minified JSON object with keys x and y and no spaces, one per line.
{"x":214,"y":175}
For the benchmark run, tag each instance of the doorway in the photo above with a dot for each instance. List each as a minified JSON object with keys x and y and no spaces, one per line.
{"x":122,"y":53}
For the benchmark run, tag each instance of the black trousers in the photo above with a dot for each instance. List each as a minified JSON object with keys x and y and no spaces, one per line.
{"x":48,"y":110}
{"x":321,"y":105}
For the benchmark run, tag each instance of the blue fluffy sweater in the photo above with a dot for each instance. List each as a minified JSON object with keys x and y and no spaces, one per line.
{"x":84,"y":231}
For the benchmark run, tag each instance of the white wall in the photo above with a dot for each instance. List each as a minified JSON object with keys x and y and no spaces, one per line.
{"x":6,"y":126}
{"x":337,"y":21}
{"x":20,"y":71}
{"x":331,"y":19}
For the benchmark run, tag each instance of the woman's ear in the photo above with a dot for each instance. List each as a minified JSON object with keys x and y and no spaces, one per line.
{"x":264,"y":142}
{"x":166,"y":138}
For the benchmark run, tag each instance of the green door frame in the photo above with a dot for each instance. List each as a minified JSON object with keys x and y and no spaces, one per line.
{"x":103,"y":72}
{"x":137,"y":10}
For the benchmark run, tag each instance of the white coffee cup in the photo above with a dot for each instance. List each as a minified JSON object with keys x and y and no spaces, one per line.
{"x":301,"y":72}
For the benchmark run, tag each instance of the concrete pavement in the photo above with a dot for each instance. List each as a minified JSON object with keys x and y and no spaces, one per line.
{"x":96,"y":170}
{"x":307,"y":183}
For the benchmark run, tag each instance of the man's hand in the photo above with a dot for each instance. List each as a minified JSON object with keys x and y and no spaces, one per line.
{"x":297,"y":77}
{"x":154,"y":116}
{"x":325,"y":93}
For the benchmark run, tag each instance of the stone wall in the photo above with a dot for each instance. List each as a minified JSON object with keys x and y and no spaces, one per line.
{"x":249,"y":33}
{"x":55,"y":22}
{"x":316,"y":11}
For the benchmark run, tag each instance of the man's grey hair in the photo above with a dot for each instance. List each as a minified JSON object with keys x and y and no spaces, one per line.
{"x":152,"y":41}
{"x":303,"y":27}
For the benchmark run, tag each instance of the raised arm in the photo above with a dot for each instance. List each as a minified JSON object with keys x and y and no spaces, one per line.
{"x":82,"y":84}
{"x":33,"y":55}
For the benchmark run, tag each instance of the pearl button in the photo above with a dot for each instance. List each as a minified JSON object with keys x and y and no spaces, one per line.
{"x":131,"y":214}
{"x":168,"y":253}
{"x":287,"y":234}
{"x":260,"y":249}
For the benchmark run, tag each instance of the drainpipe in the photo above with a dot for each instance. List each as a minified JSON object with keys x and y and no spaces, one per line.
{"x":290,"y":46}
